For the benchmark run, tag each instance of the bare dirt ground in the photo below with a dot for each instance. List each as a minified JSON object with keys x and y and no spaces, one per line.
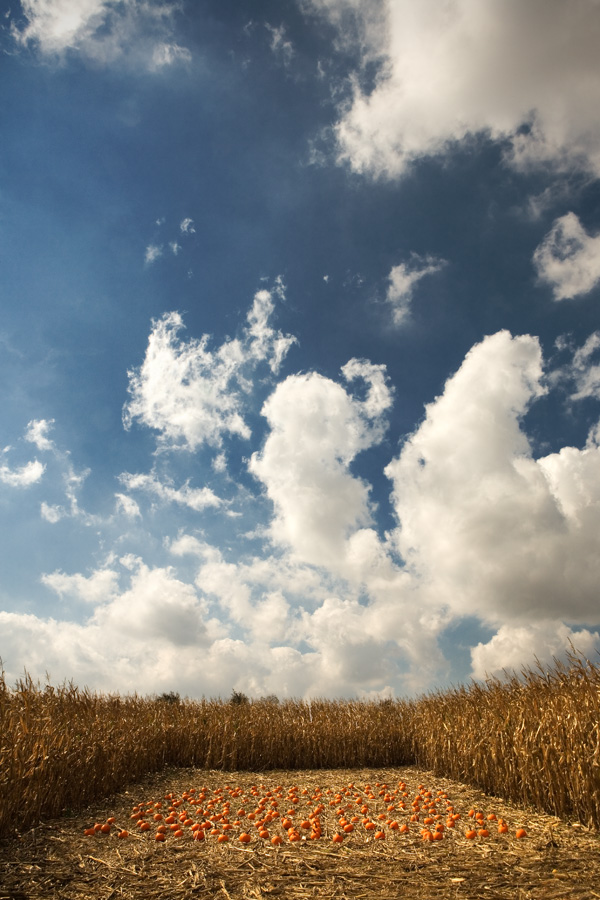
{"x":555,"y":861}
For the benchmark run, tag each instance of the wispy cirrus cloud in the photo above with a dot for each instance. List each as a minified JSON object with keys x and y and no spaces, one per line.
{"x":168,"y":54}
{"x":73,"y":482}
{"x":156,"y":249}
{"x":281,"y":47}
{"x":195,"y":498}
{"x":585,"y":368}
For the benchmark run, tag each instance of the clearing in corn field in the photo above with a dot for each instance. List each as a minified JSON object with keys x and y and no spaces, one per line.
{"x":400,"y":832}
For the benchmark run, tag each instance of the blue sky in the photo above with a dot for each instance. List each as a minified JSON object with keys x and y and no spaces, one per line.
{"x":300,"y":342}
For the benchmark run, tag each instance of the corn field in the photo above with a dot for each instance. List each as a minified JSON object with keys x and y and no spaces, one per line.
{"x":533,"y":739}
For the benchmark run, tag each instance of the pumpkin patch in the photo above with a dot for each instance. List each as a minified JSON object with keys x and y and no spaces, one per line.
{"x":312,"y":815}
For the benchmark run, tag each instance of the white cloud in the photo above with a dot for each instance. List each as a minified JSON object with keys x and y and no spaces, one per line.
{"x":52,"y":514}
{"x":485,"y":528}
{"x":160,"y":617}
{"x":302,"y":583}
{"x":283,"y":601}
{"x":317,"y":429}
{"x":379,"y":395}
{"x":64,"y":650}
{"x":359,"y":24}
{"x":515,"y":647}
{"x":193,"y":395}
{"x":581,"y":374}
{"x":153,"y":252}
{"x":223,"y":580}
{"x":37,"y":433}
{"x":56,"y":25}
{"x":187,"y":226}
{"x":99,"y":587}
{"x":156,"y":251}
{"x":402,"y":281}
{"x":270,"y":618}
{"x":568,"y":259}
{"x":157,"y":606}
{"x":556,"y":194}
{"x":573,"y":476}
{"x":22,"y":476}
{"x":219,"y":463}
{"x":195,"y":498}
{"x":186,"y":544}
{"x":167,"y":54}
{"x":157,"y":616}
{"x":135,"y":31}
{"x":72,"y":480}
{"x":279,"y":46}
{"x":127,"y":506}
{"x":347,"y":651}
{"x":522,"y":72}
{"x":584,"y":370}
{"x":263,"y":342}
{"x":185,"y":391}
{"x":327,"y":608}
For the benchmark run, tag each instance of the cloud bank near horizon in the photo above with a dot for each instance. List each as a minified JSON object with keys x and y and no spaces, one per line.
{"x":328,"y":605}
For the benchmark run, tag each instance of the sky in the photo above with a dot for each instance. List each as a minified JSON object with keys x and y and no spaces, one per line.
{"x":300,"y":343}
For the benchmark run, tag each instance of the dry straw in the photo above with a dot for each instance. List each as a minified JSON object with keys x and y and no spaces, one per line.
{"x":533,"y":739}
{"x":58,"y":859}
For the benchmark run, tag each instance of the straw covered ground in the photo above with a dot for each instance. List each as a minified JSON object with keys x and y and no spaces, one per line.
{"x":56,"y":859}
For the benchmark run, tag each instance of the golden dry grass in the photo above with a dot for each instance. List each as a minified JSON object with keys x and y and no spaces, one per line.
{"x":533,"y":740}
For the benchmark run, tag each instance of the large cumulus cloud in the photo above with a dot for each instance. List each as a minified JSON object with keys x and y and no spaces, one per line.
{"x":523,"y":73}
{"x":317,"y":428}
{"x":490,"y":530}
